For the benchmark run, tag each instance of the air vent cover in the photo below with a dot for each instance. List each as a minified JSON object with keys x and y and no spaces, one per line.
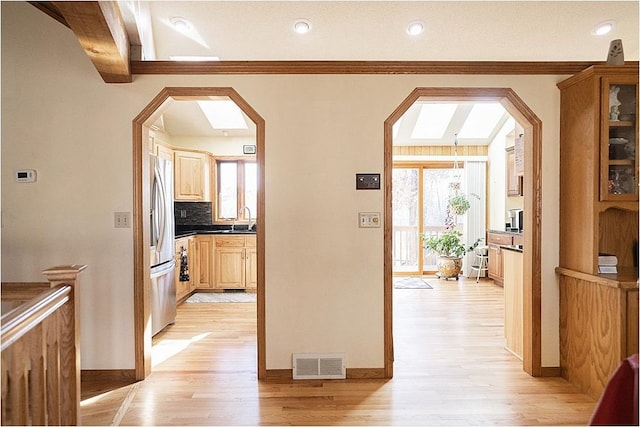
{"x":310,"y":366}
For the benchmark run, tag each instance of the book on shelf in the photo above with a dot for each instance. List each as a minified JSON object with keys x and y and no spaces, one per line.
{"x":607,"y":269}
{"x":607,"y":259}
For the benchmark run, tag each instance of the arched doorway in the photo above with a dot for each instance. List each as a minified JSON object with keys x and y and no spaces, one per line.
{"x":532,"y":220}
{"x":142,"y":309}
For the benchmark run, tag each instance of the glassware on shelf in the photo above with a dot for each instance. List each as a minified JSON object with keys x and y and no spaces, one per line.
{"x":621,"y":180}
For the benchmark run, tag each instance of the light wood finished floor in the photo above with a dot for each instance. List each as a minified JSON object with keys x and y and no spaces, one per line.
{"x":450,"y":369}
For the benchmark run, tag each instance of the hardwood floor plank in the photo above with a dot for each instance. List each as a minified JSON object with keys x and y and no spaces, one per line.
{"x":451,"y":368}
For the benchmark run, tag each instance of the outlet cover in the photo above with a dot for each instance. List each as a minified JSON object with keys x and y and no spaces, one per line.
{"x":122,"y":219}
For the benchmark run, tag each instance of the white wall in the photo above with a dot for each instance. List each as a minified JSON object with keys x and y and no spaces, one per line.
{"x":324,"y":284}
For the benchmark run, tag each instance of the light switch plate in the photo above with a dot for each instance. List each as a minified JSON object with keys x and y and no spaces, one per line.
{"x":122,"y":219}
{"x":369,"y":219}
{"x":367,"y":181}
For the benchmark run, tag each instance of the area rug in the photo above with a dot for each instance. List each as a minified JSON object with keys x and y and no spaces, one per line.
{"x":410,"y":283}
{"x":222,"y":297}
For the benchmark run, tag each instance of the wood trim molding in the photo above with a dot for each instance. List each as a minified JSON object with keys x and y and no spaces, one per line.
{"x":550,"y":371}
{"x":108,"y":375}
{"x":361,"y":67}
{"x":141,"y":281}
{"x":286,"y":375}
{"x":533,"y":217}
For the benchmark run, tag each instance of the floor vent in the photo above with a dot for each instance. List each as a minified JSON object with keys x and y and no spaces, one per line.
{"x":313,"y":366}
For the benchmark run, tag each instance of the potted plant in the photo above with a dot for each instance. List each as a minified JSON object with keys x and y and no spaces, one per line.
{"x":450,"y":250}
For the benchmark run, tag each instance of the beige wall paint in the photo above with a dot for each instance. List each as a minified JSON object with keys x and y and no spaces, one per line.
{"x":324,"y":284}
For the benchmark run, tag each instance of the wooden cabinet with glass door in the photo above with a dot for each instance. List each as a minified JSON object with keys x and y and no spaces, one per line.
{"x":598,"y":214}
{"x":599,"y":168}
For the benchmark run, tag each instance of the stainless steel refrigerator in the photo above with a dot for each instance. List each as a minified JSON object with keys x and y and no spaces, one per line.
{"x":163,"y":287}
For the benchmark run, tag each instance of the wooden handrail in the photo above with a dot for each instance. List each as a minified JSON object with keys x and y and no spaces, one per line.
{"x":19,"y":321}
{"x":40,"y":342}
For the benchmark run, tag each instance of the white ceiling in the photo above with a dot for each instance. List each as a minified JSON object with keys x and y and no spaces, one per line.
{"x":376,"y":30}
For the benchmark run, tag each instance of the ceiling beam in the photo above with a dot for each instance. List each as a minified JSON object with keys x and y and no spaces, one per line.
{"x":50,"y":9}
{"x":101,"y":32}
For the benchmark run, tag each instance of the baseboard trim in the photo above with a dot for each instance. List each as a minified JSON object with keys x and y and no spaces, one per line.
{"x":365,"y":373}
{"x":352,"y":374}
{"x":550,"y":371}
{"x":112,"y":375}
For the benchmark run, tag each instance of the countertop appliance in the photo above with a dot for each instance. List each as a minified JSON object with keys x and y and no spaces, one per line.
{"x":517,"y":217}
{"x":163,"y":264}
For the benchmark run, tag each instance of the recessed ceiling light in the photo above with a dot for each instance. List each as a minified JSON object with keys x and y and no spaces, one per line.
{"x":180,"y":24}
{"x":302,"y":26}
{"x":415,"y":27}
{"x":602,"y":28}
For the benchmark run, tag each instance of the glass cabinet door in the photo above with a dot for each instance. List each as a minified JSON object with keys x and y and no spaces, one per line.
{"x":619,"y":140}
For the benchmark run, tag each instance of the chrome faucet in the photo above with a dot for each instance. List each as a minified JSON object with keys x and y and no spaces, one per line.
{"x":248,"y":210}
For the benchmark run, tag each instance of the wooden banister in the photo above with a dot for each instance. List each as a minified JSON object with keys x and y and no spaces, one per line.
{"x":40,"y":342}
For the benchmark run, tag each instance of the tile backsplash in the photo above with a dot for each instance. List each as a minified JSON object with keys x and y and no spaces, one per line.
{"x":192,"y":213}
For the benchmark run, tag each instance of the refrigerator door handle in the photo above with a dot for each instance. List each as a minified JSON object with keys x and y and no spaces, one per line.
{"x":162,"y":209}
{"x":154,"y":213}
{"x":163,"y":269}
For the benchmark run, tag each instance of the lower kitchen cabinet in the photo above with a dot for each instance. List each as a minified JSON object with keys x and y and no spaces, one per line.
{"x":513,"y":302}
{"x":184,"y":288}
{"x":494,"y":241}
{"x":204,"y":273}
{"x":235,"y":263}
{"x":251,"y":262}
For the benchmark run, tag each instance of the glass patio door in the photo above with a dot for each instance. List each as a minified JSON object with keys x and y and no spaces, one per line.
{"x":420,"y":196}
{"x":436,"y":190}
{"x":406,"y":220}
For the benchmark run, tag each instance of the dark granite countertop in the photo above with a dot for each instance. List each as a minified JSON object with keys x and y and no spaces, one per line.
{"x":517,"y":233}
{"x":186,"y":231}
{"x":514,"y":248}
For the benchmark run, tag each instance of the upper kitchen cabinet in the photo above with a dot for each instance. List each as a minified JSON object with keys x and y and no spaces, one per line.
{"x":514,"y":181}
{"x":164,"y":152}
{"x":192,"y":176}
{"x":598,"y":167}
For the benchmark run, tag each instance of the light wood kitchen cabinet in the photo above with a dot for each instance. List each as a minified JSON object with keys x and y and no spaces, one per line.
{"x":204,"y":258}
{"x":514,"y":181}
{"x":183,"y":289}
{"x":513,"y":302}
{"x":494,"y":241}
{"x":598,"y":214}
{"x":164,"y":152}
{"x":251,"y":262}
{"x":192,"y":176}
{"x":235,"y":262}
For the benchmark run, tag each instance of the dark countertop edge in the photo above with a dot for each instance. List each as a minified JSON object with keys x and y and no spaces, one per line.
{"x":222,"y":232}
{"x":516,"y":233}
{"x":513,"y":248}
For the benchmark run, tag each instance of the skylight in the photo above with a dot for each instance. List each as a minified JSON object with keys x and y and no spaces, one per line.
{"x":433,"y":120}
{"x":482,"y":120}
{"x":223,"y":114}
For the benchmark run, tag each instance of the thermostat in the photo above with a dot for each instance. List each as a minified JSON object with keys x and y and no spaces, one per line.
{"x":26,"y":175}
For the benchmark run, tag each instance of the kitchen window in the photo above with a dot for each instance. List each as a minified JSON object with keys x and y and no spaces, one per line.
{"x":237,"y":187}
